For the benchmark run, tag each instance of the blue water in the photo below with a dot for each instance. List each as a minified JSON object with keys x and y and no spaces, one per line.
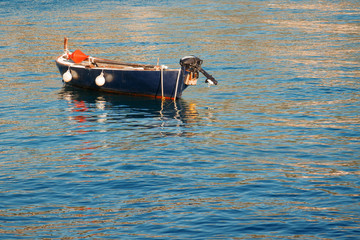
{"x":272,"y":152}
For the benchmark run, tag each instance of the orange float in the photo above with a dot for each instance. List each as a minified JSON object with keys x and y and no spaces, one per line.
{"x":77,"y":56}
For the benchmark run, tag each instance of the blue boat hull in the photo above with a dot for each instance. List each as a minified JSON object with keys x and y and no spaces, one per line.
{"x":156,"y":83}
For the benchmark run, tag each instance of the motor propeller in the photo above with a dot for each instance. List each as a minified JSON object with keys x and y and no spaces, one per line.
{"x":193,"y":64}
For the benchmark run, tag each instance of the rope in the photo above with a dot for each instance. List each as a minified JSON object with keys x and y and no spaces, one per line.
{"x":162,"y":81}
{"x":91,"y":60}
{"x":177,"y":84}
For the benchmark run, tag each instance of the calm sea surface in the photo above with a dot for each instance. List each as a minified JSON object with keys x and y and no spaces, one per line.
{"x":272,"y":152}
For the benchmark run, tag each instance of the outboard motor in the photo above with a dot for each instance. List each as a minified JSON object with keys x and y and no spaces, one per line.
{"x":192,"y":64}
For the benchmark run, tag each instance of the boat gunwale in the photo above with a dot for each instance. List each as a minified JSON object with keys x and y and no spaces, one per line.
{"x":115,"y":67}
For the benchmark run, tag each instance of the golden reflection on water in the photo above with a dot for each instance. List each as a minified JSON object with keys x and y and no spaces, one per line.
{"x":319,"y":57}
{"x":322,"y":7}
{"x":317,"y":26}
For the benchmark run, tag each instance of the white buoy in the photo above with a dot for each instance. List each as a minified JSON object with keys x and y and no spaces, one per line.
{"x":100,"y":80}
{"x":67,"y":76}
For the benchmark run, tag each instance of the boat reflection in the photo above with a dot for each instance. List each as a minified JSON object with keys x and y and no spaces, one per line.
{"x":92,"y":106}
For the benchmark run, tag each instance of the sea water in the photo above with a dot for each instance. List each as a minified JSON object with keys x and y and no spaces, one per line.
{"x":272,"y":152}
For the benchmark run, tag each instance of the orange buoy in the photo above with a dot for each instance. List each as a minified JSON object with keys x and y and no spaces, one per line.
{"x":78,"y":56}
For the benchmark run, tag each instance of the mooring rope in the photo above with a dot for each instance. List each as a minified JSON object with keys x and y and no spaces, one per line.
{"x":177,"y":84}
{"x":162,"y":81}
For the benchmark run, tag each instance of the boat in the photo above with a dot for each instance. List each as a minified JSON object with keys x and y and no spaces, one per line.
{"x":84,"y":71}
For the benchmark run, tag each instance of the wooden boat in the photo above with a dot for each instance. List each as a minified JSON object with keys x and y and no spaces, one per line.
{"x":80,"y":70}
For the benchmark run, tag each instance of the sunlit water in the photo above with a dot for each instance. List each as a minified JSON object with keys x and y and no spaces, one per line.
{"x":272,"y":152}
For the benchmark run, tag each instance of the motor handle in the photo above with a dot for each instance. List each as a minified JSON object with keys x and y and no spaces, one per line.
{"x":208,"y":76}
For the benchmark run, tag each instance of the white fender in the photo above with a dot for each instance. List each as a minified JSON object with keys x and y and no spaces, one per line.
{"x":100,"y":80}
{"x":67,"y":76}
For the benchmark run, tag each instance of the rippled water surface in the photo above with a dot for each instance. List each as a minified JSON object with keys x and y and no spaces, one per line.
{"x":272,"y":152}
